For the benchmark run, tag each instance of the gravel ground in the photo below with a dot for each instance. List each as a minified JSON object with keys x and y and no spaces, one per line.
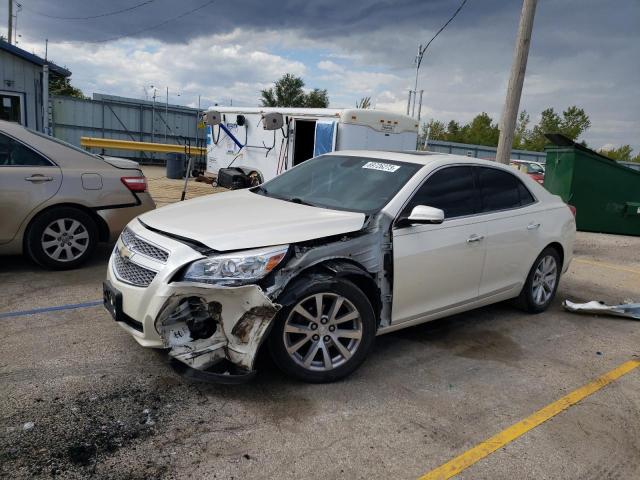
{"x":81,"y":399}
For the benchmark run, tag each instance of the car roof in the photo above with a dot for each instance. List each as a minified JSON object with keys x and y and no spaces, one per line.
{"x":51,"y":148}
{"x":417,"y":156}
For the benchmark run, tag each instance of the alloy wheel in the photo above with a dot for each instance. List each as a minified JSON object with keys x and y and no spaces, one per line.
{"x":65,"y":240}
{"x":322,"y":331}
{"x":544,"y":280}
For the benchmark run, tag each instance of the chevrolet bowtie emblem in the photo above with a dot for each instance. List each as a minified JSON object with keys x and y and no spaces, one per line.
{"x":125,"y":253}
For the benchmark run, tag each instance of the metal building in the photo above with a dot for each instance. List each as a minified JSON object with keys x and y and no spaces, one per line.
{"x":121,"y":118}
{"x":482,"y":151}
{"x":21,"y":85}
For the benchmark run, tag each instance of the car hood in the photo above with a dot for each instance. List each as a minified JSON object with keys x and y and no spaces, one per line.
{"x":242,"y":219}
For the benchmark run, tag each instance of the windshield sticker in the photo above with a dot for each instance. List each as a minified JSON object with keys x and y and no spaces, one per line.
{"x":385,"y":167}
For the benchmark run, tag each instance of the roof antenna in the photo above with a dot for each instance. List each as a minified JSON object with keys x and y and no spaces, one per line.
{"x":46,"y":48}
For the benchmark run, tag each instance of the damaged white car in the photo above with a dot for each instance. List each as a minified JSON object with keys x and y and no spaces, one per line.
{"x":318,"y":261}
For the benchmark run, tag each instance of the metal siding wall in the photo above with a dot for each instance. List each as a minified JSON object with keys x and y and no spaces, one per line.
{"x":75,"y":117}
{"x":482,"y":151}
{"x":25,"y":77}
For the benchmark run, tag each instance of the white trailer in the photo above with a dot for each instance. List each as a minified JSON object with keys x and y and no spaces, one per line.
{"x":264,"y":142}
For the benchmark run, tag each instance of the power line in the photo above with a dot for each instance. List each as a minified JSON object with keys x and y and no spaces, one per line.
{"x":161,"y":24}
{"x":106,"y":14}
{"x":422,"y":50}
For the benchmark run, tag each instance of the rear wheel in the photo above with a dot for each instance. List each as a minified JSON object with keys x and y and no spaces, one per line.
{"x":325,"y":333}
{"x":542,"y":282}
{"x":61,"y":238}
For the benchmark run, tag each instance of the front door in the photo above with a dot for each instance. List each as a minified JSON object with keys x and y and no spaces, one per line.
{"x":27,"y":179}
{"x":437,"y":267}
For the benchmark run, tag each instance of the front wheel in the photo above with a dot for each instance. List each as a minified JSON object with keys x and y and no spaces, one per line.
{"x":542,"y":282}
{"x":325,"y":332}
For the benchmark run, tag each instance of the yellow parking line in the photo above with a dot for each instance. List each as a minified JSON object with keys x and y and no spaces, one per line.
{"x":477,"y":453}
{"x":607,"y":265}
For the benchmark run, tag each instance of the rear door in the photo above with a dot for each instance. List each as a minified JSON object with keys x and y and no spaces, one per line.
{"x":27,"y":179}
{"x":513,"y":220}
{"x":437,"y":267}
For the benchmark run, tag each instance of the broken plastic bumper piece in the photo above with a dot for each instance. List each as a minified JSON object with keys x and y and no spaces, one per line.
{"x":217,"y":331}
{"x":627,"y":310}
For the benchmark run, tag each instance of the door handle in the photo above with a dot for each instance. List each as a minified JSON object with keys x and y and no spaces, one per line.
{"x":475,"y":238}
{"x":533,"y":226}
{"x":38,"y":178}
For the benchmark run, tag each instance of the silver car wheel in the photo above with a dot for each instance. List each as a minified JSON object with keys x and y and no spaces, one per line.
{"x":322,"y":332}
{"x":544,"y":280}
{"x":65,"y":240}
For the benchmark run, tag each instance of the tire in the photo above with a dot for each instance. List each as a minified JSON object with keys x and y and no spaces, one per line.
{"x":45,"y":238}
{"x":333,"y":356}
{"x":537,"y":294}
{"x":255,"y":179}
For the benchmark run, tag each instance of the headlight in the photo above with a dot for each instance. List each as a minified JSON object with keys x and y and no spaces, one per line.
{"x":237,"y":268}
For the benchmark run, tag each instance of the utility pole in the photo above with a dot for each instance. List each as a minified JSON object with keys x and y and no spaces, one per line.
{"x":15,"y":27}
{"x":514,"y":90}
{"x":166,"y":116}
{"x":153,"y":116}
{"x":45,"y":100}
{"x":10,"y":26}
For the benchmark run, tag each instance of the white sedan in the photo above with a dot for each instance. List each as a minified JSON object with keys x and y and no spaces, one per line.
{"x":318,"y":261}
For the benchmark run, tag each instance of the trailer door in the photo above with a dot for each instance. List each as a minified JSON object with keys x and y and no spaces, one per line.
{"x":325,"y":138}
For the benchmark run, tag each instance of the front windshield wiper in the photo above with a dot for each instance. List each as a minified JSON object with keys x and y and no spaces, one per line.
{"x":299,"y":200}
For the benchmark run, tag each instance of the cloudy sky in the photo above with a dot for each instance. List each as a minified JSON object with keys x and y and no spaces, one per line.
{"x":583,"y":52}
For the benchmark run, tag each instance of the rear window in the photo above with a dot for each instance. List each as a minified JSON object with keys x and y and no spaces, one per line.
{"x":14,"y":154}
{"x":500,"y":190}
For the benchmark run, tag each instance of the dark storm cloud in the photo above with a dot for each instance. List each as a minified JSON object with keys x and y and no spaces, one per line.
{"x":583,"y":52}
{"x":315,"y":18}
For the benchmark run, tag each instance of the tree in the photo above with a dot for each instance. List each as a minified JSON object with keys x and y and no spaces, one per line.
{"x":481,"y":131}
{"x":521,"y":132}
{"x":317,"y":99}
{"x":454,"y":132}
{"x":621,"y":154}
{"x":364,"y":102}
{"x":437,"y":130}
{"x":62,"y":86}
{"x":288,"y":92}
{"x":549,"y":123}
{"x":574,"y":122}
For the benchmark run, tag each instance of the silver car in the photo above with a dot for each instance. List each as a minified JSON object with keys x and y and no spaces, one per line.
{"x":58,"y":201}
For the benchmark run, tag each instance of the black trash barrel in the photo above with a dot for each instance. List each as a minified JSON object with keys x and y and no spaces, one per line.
{"x":175,"y":165}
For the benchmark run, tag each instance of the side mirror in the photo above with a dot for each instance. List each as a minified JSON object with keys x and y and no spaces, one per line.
{"x":424,"y":215}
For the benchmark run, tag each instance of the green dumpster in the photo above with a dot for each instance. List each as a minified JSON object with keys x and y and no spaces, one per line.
{"x":606,"y":195}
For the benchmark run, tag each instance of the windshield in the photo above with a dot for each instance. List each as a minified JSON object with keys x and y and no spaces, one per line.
{"x":534,"y":168}
{"x":341,"y":182}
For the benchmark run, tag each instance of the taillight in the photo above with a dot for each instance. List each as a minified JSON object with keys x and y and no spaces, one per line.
{"x":135,"y":184}
{"x":572,"y":208}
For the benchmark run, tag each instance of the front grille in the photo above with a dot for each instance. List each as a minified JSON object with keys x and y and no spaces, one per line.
{"x":132,"y":273}
{"x":137,"y":244}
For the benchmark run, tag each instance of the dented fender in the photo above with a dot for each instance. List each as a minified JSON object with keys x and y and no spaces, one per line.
{"x":203,"y":324}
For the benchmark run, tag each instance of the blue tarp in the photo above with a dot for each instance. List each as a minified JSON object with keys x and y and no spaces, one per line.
{"x":324,"y":138}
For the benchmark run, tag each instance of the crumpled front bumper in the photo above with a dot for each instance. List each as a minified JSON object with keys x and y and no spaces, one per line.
{"x":203,"y":326}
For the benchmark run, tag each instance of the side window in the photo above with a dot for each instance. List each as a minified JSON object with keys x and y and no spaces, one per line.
{"x":451,"y":190}
{"x":13,"y":153}
{"x":500,"y":190}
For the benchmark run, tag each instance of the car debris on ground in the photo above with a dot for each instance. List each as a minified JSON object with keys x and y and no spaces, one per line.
{"x":627,"y":310}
